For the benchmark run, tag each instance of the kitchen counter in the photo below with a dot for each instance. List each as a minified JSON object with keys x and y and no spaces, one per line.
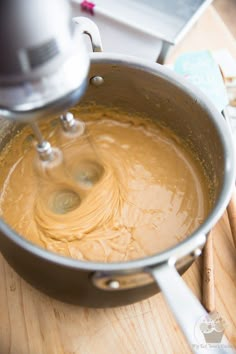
{"x":32,"y":323}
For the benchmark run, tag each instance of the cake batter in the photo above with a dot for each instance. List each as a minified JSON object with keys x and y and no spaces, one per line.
{"x":126,"y":189}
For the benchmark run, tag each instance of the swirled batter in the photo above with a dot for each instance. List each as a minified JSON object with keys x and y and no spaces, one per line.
{"x":126,"y":189}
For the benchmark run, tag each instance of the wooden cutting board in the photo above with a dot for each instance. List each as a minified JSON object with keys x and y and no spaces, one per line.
{"x":32,"y":323}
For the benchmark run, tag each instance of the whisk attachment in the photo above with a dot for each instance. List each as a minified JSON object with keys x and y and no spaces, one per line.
{"x":45,"y":151}
{"x":86,"y":170}
{"x":72,"y":125}
{"x":44,"y":148}
{"x":64,"y":201}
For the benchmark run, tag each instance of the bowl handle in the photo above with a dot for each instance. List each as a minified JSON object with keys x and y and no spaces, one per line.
{"x":186,"y":308}
{"x":87,"y":26}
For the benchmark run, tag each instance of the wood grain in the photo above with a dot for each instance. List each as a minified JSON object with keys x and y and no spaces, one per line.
{"x":231,"y":210}
{"x":208,"y":33}
{"x":32,"y":323}
{"x":208,"y":275}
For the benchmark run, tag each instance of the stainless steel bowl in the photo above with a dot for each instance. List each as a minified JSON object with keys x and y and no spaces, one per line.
{"x":134,"y":86}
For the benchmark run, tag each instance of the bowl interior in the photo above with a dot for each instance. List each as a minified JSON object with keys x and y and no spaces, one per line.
{"x":136,"y":91}
{"x":156,"y":94}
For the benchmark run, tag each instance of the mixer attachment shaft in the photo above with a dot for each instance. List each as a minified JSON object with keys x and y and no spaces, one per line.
{"x":72,"y":125}
{"x":43,"y":148}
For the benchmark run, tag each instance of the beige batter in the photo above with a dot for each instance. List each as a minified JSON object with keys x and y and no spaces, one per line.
{"x":144,"y":193}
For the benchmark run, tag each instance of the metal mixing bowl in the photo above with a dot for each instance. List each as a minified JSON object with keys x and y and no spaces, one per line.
{"x":136,"y":86}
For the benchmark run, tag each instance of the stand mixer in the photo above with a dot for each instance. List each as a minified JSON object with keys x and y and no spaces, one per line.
{"x":44,"y":63}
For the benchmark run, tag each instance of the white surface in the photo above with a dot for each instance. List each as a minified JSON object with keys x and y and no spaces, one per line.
{"x":163,"y":19}
{"x":120,"y":38}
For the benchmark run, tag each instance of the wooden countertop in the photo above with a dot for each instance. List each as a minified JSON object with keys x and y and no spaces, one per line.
{"x":32,"y":323}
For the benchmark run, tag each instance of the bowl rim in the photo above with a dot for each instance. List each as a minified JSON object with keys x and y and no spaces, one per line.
{"x":197,"y":238}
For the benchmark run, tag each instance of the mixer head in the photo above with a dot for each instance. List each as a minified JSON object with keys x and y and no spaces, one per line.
{"x":44,"y":61}
{"x":44,"y":65}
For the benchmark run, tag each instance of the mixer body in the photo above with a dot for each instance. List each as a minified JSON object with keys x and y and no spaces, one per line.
{"x":44,"y":61}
